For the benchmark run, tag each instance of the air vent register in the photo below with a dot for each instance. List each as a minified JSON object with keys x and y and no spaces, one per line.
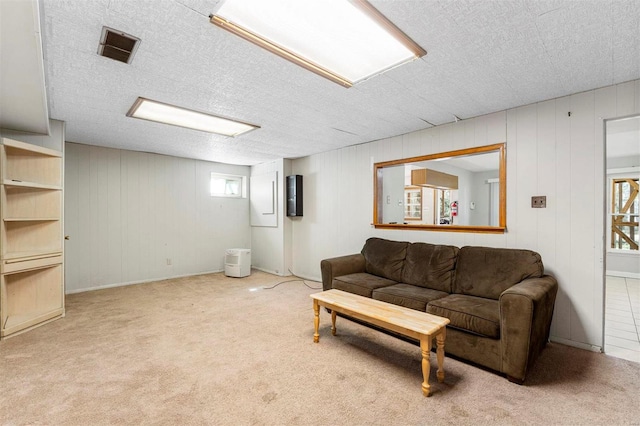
{"x":117,"y":45}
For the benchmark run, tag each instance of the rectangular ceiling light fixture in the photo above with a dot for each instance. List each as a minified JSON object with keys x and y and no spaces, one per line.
{"x":346,"y":41}
{"x":146,"y":109}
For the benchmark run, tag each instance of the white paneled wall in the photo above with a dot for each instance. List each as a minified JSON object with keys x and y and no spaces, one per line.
{"x":549,"y":152}
{"x":129,"y":214}
{"x":339,"y":191}
{"x":271,"y":246}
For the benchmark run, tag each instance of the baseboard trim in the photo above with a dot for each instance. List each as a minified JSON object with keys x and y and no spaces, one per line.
{"x":289,"y":274}
{"x":308,"y":278}
{"x":623,"y":274}
{"x":268,"y":271}
{"x":102,"y":287}
{"x":579,"y":345}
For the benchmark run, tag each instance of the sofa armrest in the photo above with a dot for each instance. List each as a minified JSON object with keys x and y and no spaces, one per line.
{"x":525,"y":320}
{"x":337,"y":266}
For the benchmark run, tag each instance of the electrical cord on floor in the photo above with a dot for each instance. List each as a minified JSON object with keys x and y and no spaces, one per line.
{"x":290,"y":281}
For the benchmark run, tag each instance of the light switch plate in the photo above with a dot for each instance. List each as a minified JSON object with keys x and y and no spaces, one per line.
{"x":539,"y":202}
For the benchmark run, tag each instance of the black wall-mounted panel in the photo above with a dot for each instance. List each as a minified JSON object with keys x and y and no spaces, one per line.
{"x":294,"y":195}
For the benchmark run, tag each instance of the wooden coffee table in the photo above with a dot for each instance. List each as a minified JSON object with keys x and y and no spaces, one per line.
{"x":409,"y":322}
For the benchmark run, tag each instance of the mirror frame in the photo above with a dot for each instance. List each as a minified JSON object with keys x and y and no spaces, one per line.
{"x":502,"y":208}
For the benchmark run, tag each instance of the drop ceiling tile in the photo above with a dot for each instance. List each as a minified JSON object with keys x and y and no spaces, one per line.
{"x":482,"y":57}
{"x":626,"y":40}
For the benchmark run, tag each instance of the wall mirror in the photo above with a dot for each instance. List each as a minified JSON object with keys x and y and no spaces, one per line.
{"x":460,"y":191}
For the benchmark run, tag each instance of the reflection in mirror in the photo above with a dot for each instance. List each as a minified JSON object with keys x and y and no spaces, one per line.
{"x":461,"y":190}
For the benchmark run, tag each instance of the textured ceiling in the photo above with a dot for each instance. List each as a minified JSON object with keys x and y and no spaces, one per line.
{"x":483,"y":56}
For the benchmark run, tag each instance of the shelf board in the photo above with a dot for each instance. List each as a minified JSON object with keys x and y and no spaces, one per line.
{"x":29,"y":149}
{"x":16,"y":323}
{"x":19,"y":266}
{"x":33,"y":254}
{"x":31,"y":219}
{"x":21,"y":184}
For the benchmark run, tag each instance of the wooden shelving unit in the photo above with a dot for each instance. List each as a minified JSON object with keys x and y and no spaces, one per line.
{"x":412,"y":203}
{"x":31,"y":271}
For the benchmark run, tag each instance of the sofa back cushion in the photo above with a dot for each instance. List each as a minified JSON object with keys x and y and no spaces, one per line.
{"x":487,"y":272}
{"x":385,"y":258}
{"x":430,"y":266}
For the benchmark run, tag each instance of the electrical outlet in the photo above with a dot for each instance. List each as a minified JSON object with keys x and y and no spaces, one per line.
{"x":539,"y":202}
{"x":168,"y":262}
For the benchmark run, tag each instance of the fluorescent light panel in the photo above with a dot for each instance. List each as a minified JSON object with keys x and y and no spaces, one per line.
{"x":147,"y":109}
{"x":344,"y":41}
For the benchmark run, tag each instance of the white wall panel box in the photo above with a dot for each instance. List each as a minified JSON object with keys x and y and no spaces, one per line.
{"x":237,"y":262}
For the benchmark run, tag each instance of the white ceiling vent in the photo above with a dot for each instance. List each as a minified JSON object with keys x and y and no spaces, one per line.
{"x":117,"y":45}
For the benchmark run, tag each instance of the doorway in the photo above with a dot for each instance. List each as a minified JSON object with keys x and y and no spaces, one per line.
{"x":622,"y":209}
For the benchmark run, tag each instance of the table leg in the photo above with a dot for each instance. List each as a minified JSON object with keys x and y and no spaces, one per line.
{"x":333,"y":322}
{"x":316,"y":321}
{"x":440,"y":353}
{"x":425,"y":346}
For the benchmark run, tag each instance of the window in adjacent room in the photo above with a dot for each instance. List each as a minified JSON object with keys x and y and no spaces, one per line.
{"x":444,"y":198}
{"x":228,"y":186}
{"x":625,"y":211}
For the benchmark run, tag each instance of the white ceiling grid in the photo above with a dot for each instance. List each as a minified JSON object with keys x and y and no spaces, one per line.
{"x":482,"y":57}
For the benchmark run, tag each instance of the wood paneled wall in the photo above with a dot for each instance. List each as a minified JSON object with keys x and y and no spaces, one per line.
{"x":128,"y":212}
{"x":549,"y":152}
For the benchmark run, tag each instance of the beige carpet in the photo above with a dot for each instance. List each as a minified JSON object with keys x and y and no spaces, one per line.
{"x":207,"y":350}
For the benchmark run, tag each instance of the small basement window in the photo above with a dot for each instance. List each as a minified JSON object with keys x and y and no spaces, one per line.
{"x":232,"y":186}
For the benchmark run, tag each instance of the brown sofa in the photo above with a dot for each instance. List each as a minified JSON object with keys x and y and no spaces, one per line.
{"x":499,"y":301}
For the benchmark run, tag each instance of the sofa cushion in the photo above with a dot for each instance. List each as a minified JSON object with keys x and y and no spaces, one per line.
{"x":429,"y":265}
{"x":384,"y":258}
{"x":407,"y":295}
{"x":487,"y":272}
{"x":475,"y":314}
{"x":360,"y":283}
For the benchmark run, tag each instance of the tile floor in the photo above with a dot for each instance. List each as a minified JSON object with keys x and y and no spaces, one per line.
{"x":622,"y":318}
